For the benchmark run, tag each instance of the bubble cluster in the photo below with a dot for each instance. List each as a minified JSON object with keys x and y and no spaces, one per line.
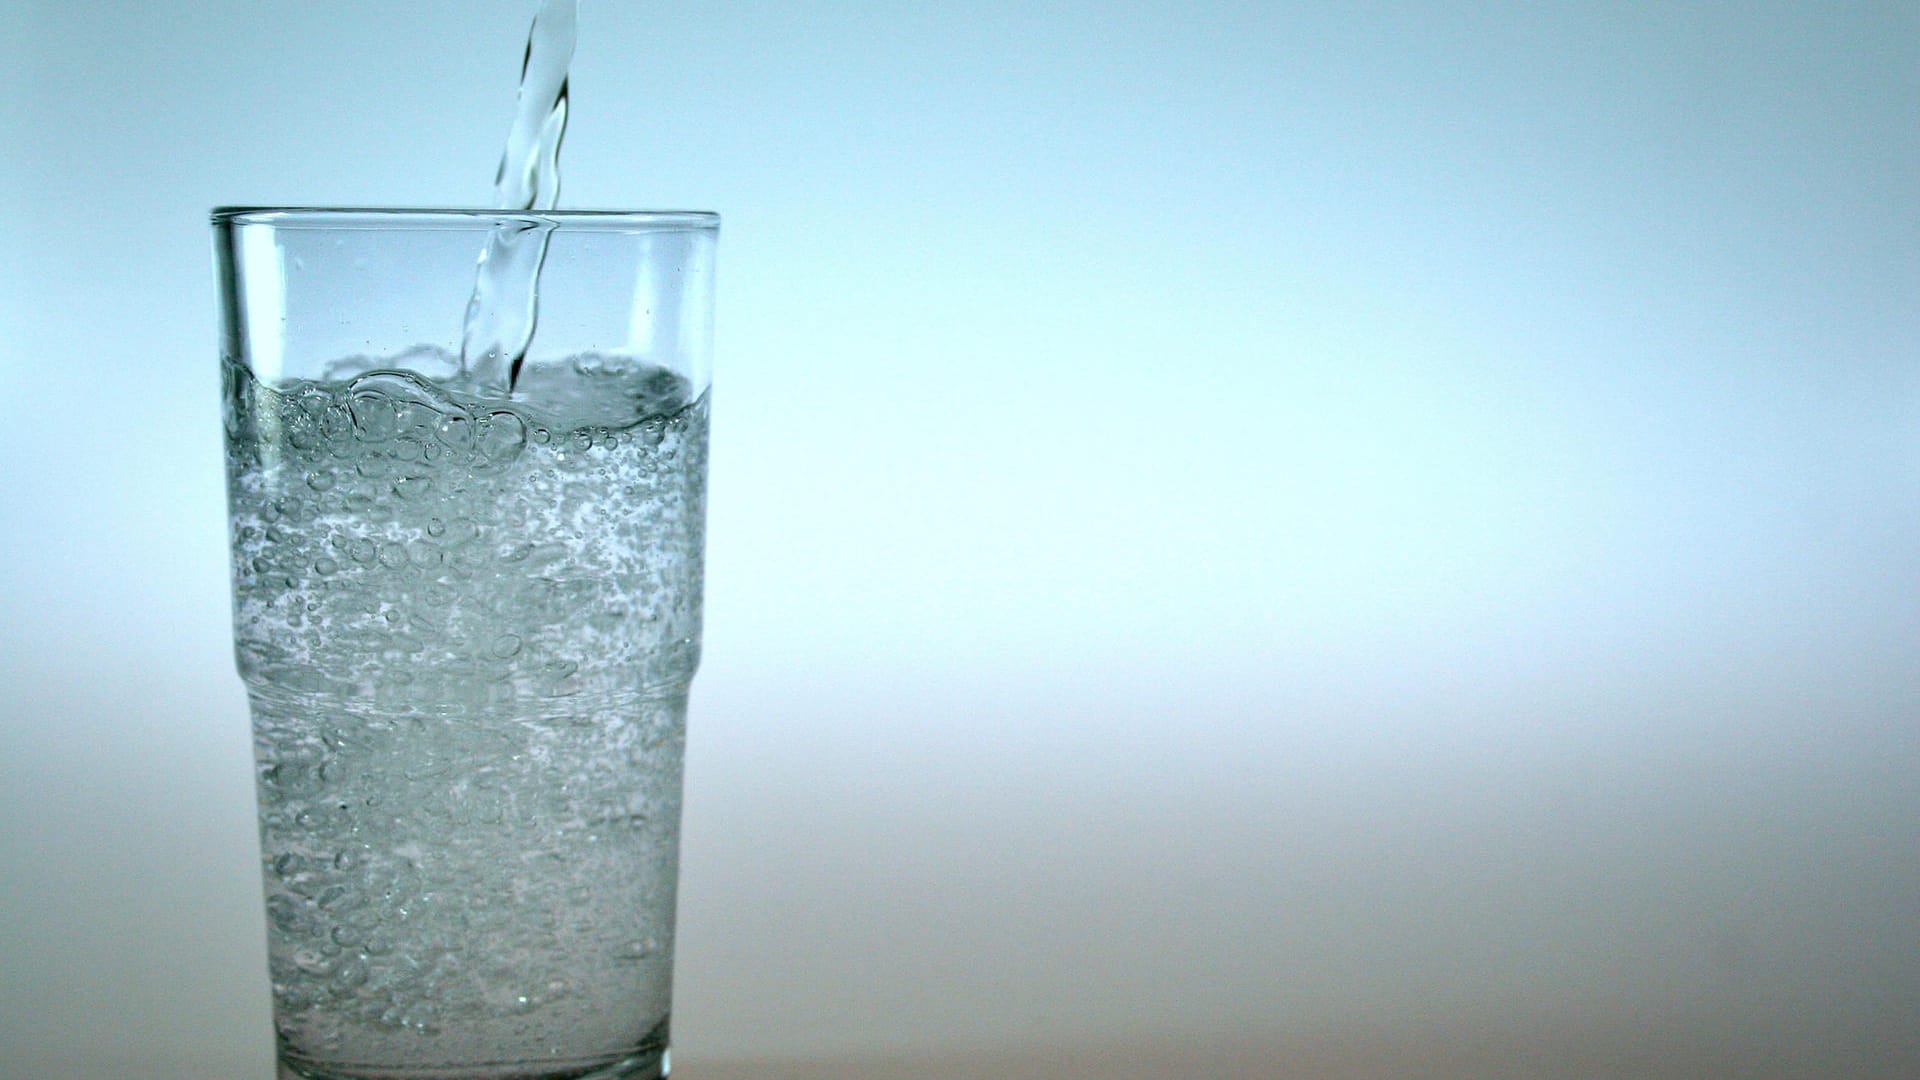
{"x":467,"y":628}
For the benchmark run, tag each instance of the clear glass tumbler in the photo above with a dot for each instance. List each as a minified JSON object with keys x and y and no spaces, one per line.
{"x":467,"y":619}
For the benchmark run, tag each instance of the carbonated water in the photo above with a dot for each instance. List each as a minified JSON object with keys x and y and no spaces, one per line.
{"x":467,"y":624}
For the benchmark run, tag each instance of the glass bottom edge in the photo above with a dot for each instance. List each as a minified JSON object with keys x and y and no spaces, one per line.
{"x":650,"y":1064}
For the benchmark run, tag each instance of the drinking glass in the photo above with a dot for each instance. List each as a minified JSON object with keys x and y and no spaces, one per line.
{"x":467,"y":618}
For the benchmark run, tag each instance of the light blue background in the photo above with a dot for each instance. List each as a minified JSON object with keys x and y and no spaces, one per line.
{"x":1228,"y":519}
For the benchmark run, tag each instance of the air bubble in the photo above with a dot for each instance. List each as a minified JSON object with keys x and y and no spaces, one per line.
{"x":293,"y":778}
{"x":502,"y":438}
{"x":313,"y":963}
{"x":636,"y":950}
{"x":455,"y":431}
{"x":413,"y":487}
{"x":285,"y":913}
{"x":374,"y":417}
{"x":335,"y":422}
{"x":299,"y":433}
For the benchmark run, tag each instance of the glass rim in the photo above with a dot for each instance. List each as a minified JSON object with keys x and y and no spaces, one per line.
{"x":382,"y":217}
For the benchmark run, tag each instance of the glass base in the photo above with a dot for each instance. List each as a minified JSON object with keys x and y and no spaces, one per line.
{"x":647,"y":1064}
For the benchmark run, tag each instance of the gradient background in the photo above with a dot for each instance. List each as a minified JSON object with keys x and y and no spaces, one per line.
{"x":1247,"y":539}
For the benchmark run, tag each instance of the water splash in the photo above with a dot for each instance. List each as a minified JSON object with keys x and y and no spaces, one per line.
{"x":504,"y":308}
